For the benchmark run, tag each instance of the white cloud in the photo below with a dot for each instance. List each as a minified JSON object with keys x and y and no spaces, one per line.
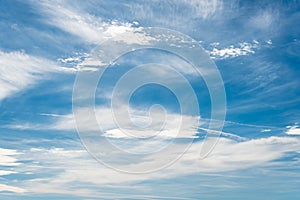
{"x":105,"y":116}
{"x":66,"y":166}
{"x":90,"y":28}
{"x":8,"y":188}
{"x":134,"y":37}
{"x":293,"y":130}
{"x":8,"y":157}
{"x":172,"y":123}
{"x":19,"y":71}
{"x":6,"y":172}
{"x":9,"y":160}
{"x":266,"y":130}
{"x":74,"y":60}
{"x":269,"y":42}
{"x":50,"y":114}
{"x":225,"y":134}
{"x":83,"y":25}
{"x":232,"y":155}
{"x":242,"y":49}
{"x":170,"y":129}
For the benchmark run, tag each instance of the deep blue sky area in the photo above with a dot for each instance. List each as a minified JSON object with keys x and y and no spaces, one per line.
{"x":55,"y":121}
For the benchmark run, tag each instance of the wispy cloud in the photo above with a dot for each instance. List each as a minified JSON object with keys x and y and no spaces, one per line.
{"x":9,"y":161}
{"x":204,"y":9}
{"x":171,"y":124}
{"x":242,"y":49}
{"x":56,"y":175}
{"x":87,"y":27}
{"x":95,"y":29}
{"x":265,"y":20}
{"x":19,"y":70}
{"x":8,"y":157}
{"x":8,"y":188}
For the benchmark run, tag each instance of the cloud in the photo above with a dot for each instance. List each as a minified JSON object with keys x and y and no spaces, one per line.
{"x":19,"y":70}
{"x":72,"y":171}
{"x":104,"y":115}
{"x":82,"y":25}
{"x":74,"y":59}
{"x":293,"y":130}
{"x":230,"y":155}
{"x":264,"y":19}
{"x":89,"y":28}
{"x":224,"y":134}
{"x":242,"y":49}
{"x":8,"y":188}
{"x":8,"y":157}
{"x":9,"y":162}
{"x":57,"y":176}
{"x":177,"y":14}
{"x":266,"y":130}
{"x":6,"y":172}
{"x":204,"y":8}
{"x":141,"y":124}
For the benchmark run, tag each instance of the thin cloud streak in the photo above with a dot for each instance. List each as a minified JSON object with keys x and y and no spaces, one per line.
{"x":19,"y":70}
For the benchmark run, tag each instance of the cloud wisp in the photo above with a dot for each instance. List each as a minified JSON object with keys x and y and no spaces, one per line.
{"x":56,"y":175}
{"x":242,"y":49}
{"x":88,"y":28}
{"x":19,"y":70}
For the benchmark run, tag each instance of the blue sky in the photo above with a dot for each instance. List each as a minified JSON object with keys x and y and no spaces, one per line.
{"x":45,"y":46}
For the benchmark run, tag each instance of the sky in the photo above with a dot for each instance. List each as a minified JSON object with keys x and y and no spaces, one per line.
{"x":156,"y":99}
